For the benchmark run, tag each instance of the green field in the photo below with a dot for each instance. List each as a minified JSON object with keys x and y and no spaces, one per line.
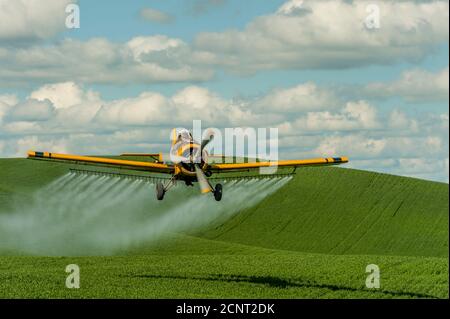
{"x":311,"y":238}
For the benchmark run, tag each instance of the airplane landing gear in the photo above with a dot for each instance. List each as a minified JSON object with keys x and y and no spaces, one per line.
{"x":189,"y":183}
{"x":160,"y":191}
{"x":218,"y":192}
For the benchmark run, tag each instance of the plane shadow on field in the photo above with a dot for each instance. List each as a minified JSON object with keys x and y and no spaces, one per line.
{"x":276,"y":282}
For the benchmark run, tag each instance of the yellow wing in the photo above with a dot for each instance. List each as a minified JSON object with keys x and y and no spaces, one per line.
{"x":127,"y":164}
{"x":288,"y":163}
{"x":157,"y":156}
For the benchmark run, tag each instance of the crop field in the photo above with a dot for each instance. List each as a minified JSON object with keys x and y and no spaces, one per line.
{"x":309,"y":236}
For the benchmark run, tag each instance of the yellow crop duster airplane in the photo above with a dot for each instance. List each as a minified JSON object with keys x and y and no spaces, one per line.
{"x":191,"y":165}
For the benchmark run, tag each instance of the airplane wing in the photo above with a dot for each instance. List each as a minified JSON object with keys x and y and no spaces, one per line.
{"x":157,"y":156}
{"x":223,"y":168}
{"x":108,"y":162}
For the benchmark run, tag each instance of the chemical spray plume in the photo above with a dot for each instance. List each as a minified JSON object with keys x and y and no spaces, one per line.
{"x":91,"y":215}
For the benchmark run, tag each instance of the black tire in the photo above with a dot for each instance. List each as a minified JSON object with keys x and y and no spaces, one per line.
{"x":218,"y":192}
{"x":160,"y":191}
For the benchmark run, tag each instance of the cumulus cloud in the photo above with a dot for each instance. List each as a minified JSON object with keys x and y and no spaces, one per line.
{"x":85,"y":123}
{"x":356,"y":144}
{"x":21,"y":128}
{"x":30,"y":142}
{"x":398,"y":120}
{"x":141,"y":47}
{"x":63,"y":95}
{"x":303,"y":97}
{"x":31,"y":20}
{"x":32,"y":111}
{"x":299,"y":35}
{"x":154,"y":109}
{"x":357,"y":115}
{"x":156,"y":16}
{"x":6,"y":101}
{"x":330,"y":34}
{"x":98,"y":60}
{"x":146,"y":109}
{"x":76,"y":109}
{"x":291,"y":7}
{"x":302,"y":108}
{"x":415,"y":86}
{"x":365,"y":147}
{"x":425,"y":168}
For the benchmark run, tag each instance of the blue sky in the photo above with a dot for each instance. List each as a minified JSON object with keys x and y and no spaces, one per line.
{"x":119,"y":20}
{"x":313,"y":69}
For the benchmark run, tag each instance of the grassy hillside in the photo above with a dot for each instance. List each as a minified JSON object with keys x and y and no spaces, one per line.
{"x":250,"y":273}
{"x":343,"y":211}
{"x":311,"y":239}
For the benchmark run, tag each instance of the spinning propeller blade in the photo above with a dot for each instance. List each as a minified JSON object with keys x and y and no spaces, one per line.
{"x":205,"y":186}
{"x":209,"y":137}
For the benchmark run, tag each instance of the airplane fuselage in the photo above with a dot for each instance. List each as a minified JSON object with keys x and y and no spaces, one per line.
{"x":191,"y":155}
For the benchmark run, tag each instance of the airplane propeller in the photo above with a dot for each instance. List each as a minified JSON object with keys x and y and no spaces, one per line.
{"x":205,"y":186}
{"x":203,"y":182}
{"x":207,"y":140}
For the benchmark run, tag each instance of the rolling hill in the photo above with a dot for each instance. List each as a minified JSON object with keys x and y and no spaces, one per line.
{"x":345,"y":211}
{"x":310,"y":238}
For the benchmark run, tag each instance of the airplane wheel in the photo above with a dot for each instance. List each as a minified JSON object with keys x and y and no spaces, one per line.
{"x":218,"y":192}
{"x":160,"y":191}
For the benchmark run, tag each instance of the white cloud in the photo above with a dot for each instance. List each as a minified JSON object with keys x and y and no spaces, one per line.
{"x":98,"y":60}
{"x":71,"y":118}
{"x":414,"y":85}
{"x":25,"y":20}
{"x":145,"y":45}
{"x":357,"y":146}
{"x":330,"y":34}
{"x":9,"y":99}
{"x":64,"y":95}
{"x":146,"y":109}
{"x":354,"y":116}
{"x":291,"y":7}
{"x":301,"y":98}
{"x":206,"y":105}
{"x":33,"y":142}
{"x":21,"y":127}
{"x":363,"y":113}
{"x":75,"y":107}
{"x":32,"y":111}
{"x":196,"y":98}
{"x":6,"y":101}
{"x":303,"y":108}
{"x":313,"y":34}
{"x":156,"y":16}
{"x":425,"y":168}
{"x":419,"y":165}
{"x":400,"y":121}
{"x":360,"y":146}
{"x":154,"y":109}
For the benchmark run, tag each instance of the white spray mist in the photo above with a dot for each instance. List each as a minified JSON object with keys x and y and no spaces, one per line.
{"x":100,"y":215}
